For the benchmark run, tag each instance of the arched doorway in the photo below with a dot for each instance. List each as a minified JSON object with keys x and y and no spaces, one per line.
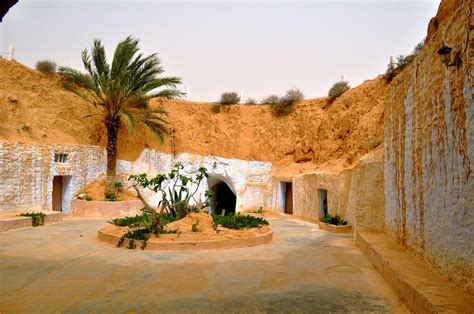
{"x":224,"y":197}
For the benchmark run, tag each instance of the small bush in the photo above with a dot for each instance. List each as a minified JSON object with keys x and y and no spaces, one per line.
{"x":237,"y":221}
{"x":111,"y":197}
{"x":393,"y":68}
{"x":229,"y":98}
{"x":286,"y":103}
{"x":338,"y":89}
{"x":271,"y":100}
{"x":334,"y":220}
{"x":37,"y":218}
{"x":46,"y":66}
{"x":88,"y":197}
{"x":132,"y":222}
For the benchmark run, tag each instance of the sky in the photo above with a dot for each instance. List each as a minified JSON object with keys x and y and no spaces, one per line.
{"x":260,"y":48}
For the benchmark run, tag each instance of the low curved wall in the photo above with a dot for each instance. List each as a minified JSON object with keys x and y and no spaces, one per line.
{"x":105,"y":209}
{"x":191,"y":245}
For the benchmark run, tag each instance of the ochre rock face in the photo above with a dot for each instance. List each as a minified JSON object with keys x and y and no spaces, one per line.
{"x":36,"y":108}
{"x":429,"y":150}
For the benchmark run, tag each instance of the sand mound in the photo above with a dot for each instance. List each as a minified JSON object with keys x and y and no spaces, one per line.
{"x":202,"y":222}
{"x":34,"y":107}
{"x":96,"y":190}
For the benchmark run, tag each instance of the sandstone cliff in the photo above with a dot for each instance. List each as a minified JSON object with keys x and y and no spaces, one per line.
{"x":35,"y":108}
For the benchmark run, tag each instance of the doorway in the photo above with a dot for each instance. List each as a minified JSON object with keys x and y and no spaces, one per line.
{"x":61,"y":193}
{"x":289,"y":198}
{"x":224,"y":198}
{"x":323,"y":202}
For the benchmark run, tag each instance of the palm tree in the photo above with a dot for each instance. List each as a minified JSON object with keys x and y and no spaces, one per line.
{"x":120,"y":92}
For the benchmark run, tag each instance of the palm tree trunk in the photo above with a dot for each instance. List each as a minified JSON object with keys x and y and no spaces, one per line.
{"x":112,"y":136}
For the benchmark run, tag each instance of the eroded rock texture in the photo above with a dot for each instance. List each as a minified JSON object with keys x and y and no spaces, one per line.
{"x":429,"y":149}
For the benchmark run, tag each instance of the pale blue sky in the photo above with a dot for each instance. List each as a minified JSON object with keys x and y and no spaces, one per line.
{"x":262,"y":48}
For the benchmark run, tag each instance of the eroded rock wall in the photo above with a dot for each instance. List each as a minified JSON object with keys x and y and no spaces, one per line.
{"x":27,"y":172}
{"x":429,"y":149}
{"x":356,"y":194}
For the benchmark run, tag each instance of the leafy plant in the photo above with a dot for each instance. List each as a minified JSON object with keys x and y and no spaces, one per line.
{"x":271,"y":100}
{"x":393,"y":68}
{"x":118,"y":185}
{"x":120,"y":91}
{"x":88,"y":197}
{"x":194,"y":227}
{"x":142,"y":235}
{"x":46,"y":66}
{"x":259,"y":211}
{"x":286,"y":103}
{"x":229,"y":98}
{"x":136,"y":221}
{"x":178,"y":192}
{"x":111,"y":197}
{"x":37,"y":218}
{"x":237,"y":221}
{"x":338,"y":89}
{"x":334,"y":220}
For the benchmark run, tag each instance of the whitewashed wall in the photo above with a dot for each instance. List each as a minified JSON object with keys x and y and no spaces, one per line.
{"x":27,"y":172}
{"x":249,"y":180}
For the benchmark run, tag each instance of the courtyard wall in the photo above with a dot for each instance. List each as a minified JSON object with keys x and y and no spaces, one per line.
{"x":429,"y":149}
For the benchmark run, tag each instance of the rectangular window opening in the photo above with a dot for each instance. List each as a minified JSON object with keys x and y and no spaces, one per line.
{"x":61,"y":157}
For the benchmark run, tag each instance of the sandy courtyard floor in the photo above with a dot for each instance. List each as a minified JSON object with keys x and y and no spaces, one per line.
{"x":64,"y":268}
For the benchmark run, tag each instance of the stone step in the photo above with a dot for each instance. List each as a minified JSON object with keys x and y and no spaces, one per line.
{"x":11,"y":220}
{"x":418,"y":286}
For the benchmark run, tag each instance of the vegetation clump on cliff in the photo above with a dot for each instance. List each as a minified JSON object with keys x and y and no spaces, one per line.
{"x":338,"y":89}
{"x":229,"y":98}
{"x":395,"y":67}
{"x":46,"y":66}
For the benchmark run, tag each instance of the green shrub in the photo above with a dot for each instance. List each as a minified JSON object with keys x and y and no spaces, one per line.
{"x":46,"y":66}
{"x":286,"y":103}
{"x":88,"y":197}
{"x":118,"y":185}
{"x":229,"y":98}
{"x":179,"y":192}
{"x":37,"y":218}
{"x":271,"y":100}
{"x":393,"y":68}
{"x":132,"y":222}
{"x":142,"y":235}
{"x":237,"y":221}
{"x":338,"y":89}
{"x":334,"y":220}
{"x":111,"y":197}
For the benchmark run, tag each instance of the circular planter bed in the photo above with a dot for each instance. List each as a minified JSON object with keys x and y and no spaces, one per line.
{"x":186,"y":240}
{"x":105,"y":209}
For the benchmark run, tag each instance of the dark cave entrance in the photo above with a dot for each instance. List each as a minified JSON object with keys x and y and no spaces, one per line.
{"x":224,"y":198}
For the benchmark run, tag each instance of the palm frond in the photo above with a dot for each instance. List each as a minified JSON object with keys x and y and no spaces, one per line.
{"x":167,"y":93}
{"x":126,"y":117}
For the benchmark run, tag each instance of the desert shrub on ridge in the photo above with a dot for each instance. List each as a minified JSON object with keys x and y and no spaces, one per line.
{"x":285,"y":104}
{"x":46,"y":66}
{"x":229,"y":98}
{"x":338,"y":89}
